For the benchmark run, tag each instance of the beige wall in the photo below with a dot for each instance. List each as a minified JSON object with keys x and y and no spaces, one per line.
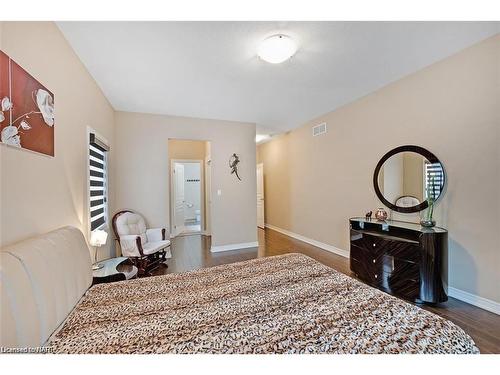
{"x":142,"y":174}
{"x":186,"y":149}
{"x":313,"y":185}
{"x":40,"y":193}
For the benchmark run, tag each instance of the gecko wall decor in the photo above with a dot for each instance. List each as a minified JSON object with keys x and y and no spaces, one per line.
{"x":233,"y":164}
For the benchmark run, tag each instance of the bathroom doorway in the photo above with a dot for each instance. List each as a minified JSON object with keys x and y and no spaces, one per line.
{"x":187,"y":196}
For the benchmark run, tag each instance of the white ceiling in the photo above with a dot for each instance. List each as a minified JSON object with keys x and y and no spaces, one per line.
{"x":210,"y":69}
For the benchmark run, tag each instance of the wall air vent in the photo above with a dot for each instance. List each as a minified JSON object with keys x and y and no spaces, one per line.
{"x":319,"y":129}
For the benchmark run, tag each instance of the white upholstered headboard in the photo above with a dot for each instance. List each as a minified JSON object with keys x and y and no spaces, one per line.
{"x":41,"y":280}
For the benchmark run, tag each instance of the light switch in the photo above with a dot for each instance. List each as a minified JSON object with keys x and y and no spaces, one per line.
{"x":219,"y":192}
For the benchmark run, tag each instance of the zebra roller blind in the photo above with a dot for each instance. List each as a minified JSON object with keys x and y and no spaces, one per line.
{"x":434,"y":179}
{"x":98,"y":178}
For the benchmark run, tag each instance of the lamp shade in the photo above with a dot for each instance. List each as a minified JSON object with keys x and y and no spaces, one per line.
{"x":98,"y":237}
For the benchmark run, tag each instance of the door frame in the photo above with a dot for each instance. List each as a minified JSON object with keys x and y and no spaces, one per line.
{"x":263,"y":197}
{"x":172,"y":197}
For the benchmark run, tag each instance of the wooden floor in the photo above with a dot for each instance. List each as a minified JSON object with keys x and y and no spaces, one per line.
{"x":192,"y":252}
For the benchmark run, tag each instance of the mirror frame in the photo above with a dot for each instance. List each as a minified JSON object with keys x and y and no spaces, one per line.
{"x":408,"y":148}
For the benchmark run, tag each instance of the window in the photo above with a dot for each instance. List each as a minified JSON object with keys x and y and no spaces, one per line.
{"x":98,"y":178}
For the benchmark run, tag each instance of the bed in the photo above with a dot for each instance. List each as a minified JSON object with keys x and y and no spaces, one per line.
{"x":283,"y":304}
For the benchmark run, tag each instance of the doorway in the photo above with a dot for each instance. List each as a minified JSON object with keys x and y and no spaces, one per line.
{"x":187,"y":196}
{"x":190,"y":171}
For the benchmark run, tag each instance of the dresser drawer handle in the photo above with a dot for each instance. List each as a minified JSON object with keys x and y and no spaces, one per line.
{"x":374,"y":245}
{"x":373,"y":260}
{"x":376,"y":276}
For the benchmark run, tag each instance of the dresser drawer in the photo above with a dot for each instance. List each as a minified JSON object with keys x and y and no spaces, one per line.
{"x":393,"y":283}
{"x":381,"y":269}
{"x":385,"y":263}
{"x":400,"y":284}
{"x":365,"y":272}
{"x":377,"y":245}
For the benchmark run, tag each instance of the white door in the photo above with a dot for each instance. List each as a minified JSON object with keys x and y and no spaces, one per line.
{"x":260,"y":195}
{"x":178,"y":198}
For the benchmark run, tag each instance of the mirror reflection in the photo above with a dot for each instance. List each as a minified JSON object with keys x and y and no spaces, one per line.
{"x":407,"y":179}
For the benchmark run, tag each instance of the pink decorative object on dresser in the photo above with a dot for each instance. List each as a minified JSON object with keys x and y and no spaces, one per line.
{"x":381,"y":214}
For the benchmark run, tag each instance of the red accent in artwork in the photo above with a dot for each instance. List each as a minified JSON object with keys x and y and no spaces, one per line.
{"x":27,"y":109}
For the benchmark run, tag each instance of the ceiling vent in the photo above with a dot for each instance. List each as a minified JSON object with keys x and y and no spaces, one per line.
{"x":319,"y":129}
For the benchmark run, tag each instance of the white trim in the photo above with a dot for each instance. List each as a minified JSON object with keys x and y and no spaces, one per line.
{"x":310,"y":241}
{"x":234,"y":246}
{"x":483,"y":303}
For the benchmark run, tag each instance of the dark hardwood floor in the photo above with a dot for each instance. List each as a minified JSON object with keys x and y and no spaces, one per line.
{"x":192,"y":252}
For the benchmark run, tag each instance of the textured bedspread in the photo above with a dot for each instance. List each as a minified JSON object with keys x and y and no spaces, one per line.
{"x":284,"y":304}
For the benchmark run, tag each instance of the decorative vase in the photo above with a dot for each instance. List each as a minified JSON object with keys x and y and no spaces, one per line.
{"x":427,"y":223}
{"x":381,"y":214}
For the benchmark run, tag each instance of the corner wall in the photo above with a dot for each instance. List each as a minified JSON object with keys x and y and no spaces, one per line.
{"x":314,"y":184}
{"x":39,"y":193}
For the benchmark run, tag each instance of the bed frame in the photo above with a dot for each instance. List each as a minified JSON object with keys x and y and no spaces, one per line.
{"x":41,"y":281}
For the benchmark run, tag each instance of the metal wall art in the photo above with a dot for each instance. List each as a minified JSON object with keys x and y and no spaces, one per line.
{"x":233,"y":164}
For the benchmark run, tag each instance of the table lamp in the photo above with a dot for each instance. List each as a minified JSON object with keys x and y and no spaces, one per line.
{"x":98,"y":238}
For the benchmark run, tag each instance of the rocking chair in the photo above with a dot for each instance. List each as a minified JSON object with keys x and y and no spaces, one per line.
{"x":146,"y":248}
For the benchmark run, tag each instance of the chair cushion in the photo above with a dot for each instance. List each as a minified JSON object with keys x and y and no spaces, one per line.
{"x":130,"y":223}
{"x":153,"y":247}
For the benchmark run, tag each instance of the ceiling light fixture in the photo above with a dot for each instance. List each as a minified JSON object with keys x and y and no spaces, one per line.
{"x":261,"y":137}
{"x":277,"y":48}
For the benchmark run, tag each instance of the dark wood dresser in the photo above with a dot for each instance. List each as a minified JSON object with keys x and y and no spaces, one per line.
{"x":403,"y":259}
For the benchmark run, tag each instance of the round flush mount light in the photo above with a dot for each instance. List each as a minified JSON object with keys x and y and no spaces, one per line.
{"x":261,"y":137}
{"x":277,"y":48}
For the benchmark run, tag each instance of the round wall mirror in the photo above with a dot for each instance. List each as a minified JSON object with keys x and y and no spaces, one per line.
{"x":406,"y":177}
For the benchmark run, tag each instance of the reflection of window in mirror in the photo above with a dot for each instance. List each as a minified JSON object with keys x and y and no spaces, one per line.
{"x":434,"y":179}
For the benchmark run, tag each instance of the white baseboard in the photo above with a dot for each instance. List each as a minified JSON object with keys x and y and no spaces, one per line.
{"x":310,"y":241}
{"x":475,"y":300}
{"x":234,"y":246}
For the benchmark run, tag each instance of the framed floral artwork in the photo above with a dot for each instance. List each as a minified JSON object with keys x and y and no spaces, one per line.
{"x":27,"y":109}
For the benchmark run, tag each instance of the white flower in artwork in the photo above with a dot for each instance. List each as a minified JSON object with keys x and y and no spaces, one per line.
{"x":2,"y":117}
{"x":45,"y":103}
{"x":10,"y":136}
{"x":24,"y":124}
{"x":6,"y":104}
